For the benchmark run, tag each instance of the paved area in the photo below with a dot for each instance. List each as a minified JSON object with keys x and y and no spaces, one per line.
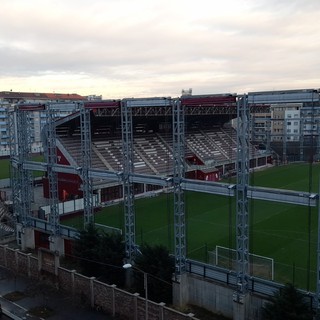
{"x":35,"y":294}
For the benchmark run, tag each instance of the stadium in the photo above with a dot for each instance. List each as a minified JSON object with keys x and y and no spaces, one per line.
{"x":183,"y":172}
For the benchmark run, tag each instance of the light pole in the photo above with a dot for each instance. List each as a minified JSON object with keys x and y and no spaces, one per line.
{"x":145,"y":284}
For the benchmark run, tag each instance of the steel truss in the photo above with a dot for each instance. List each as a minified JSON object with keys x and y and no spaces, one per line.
{"x":14,"y":172}
{"x":85,"y":126}
{"x":242,"y":189}
{"x":178,"y":175}
{"x":242,"y":220}
{"x":128,"y":108}
{"x":20,"y":150}
{"x":51,"y":156}
{"x":128,"y":169}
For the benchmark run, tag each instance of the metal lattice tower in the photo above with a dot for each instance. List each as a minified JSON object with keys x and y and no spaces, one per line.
{"x":128,"y":168}
{"x":268,"y":135}
{"x":242,"y":220}
{"x":301,"y":137}
{"x":318,"y":140}
{"x":85,"y":126}
{"x":179,"y":173}
{"x":284,"y":151}
{"x":25,"y":176}
{"x":14,"y":172}
{"x":51,"y":156}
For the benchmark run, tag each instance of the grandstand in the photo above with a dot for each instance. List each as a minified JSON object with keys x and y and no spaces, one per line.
{"x":211,"y":149}
{"x":210,"y":145}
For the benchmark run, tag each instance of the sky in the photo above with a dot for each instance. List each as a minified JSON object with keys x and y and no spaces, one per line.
{"x":147,"y":48}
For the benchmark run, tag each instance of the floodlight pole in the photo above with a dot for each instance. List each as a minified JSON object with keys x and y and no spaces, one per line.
{"x":145,"y":284}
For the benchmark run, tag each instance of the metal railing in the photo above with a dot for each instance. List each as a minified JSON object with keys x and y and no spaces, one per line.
{"x":229,"y":277}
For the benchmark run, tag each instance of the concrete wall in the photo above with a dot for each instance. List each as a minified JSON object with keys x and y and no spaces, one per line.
{"x":219,"y":298}
{"x":85,"y":290}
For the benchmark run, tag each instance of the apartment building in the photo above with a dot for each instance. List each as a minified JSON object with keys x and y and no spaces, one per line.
{"x":64,"y":105}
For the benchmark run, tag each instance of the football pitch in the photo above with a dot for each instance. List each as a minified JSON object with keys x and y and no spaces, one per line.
{"x":285,"y":233}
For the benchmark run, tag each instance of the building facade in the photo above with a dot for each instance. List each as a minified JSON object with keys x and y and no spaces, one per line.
{"x":63,"y":103}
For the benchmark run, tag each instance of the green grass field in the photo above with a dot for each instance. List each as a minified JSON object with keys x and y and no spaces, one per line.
{"x":5,"y":167}
{"x":286,"y":233}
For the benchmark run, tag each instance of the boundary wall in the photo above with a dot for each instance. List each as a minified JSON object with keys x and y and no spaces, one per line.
{"x":220,"y":298}
{"x":85,"y":290}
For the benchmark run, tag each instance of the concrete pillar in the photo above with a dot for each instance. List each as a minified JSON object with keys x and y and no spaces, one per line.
{"x":57,"y":244}
{"x":241,"y":304}
{"x":26,"y":237}
{"x":180,"y":290}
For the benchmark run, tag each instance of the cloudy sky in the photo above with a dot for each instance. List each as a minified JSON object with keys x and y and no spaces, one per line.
{"x":141,"y":48}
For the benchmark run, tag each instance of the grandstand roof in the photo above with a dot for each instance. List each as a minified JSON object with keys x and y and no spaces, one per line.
{"x":32,"y":96}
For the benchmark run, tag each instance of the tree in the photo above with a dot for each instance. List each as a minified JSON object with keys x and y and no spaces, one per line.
{"x":111,"y":253}
{"x":100,"y":254}
{"x":288,"y":303}
{"x":159,"y":266}
{"x":86,"y":249}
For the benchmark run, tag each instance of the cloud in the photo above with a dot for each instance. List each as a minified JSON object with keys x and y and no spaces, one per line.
{"x":158,"y":47}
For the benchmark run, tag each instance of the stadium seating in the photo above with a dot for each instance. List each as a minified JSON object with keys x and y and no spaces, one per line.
{"x":153,"y":152}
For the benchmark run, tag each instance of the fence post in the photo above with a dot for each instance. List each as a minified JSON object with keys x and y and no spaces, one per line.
{"x":92,"y":292}
{"x":16,"y":251}
{"x":5,"y":247}
{"x":29,"y":264}
{"x":161,"y":305}
{"x":72,"y":284}
{"x":113,"y":300}
{"x":135,"y":297}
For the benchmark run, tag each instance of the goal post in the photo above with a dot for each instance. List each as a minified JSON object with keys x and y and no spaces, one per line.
{"x":108,"y":229}
{"x":259,"y":266}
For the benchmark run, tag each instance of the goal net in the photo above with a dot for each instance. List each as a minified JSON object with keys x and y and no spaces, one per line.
{"x":107,"y":229}
{"x":259,"y":266}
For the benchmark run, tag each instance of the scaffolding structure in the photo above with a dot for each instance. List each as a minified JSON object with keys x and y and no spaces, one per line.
{"x":20,"y":144}
{"x":51,"y":156}
{"x":85,"y":131}
{"x":128,"y":169}
{"x":178,"y":174}
{"x":242,"y":220}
